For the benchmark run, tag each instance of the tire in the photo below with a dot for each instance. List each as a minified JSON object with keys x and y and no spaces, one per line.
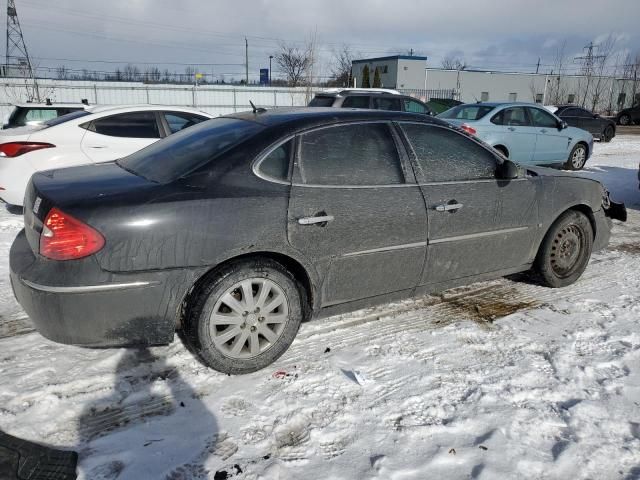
{"x":255,"y":339}
{"x":577,"y":157}
{"x":608,"y":134}
{"x":624,"y":119}
{"x":565,"y":250}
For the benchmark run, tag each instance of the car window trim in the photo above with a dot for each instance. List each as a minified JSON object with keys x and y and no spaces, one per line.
{"x":255,"y":167}
{"x":296,"y":162}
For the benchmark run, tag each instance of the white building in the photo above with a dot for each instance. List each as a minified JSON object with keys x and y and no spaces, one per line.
{"x":411,"y":73}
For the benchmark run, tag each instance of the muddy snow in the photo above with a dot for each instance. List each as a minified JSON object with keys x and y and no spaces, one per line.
{"x":502,"y":379}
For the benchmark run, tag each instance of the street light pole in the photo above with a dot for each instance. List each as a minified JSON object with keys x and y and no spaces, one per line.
{"x":270,"y":57}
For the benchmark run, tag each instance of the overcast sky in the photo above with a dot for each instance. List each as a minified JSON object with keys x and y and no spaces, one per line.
{"x":499,"y":34}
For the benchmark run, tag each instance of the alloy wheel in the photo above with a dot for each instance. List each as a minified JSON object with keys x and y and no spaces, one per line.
{"x":578,"y":157}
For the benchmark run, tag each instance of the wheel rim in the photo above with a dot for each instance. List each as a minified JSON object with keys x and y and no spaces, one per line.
{"x":608,"y":133}
{"x":249,"y":318}
{"x":565,"y":251}
{"x":578,"y":157}
{"x":624,"y":120}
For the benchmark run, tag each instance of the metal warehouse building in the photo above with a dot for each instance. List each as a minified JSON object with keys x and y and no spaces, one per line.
{"x":412,"y":73}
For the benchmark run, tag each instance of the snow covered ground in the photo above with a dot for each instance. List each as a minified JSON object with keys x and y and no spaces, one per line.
{"x":502,"y":379}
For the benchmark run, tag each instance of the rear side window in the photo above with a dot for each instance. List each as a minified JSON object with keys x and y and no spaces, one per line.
{"x":356,"y":154}
{"x":322,"y":101}
{"x":276,"y":163}
{"x":516,"y":116}
{"x":67,"y":117}
{"x":132,"y":125}
{"x":467,"y":112}
{"x":179,"y":121}
{"x":444,"y":155}
{"x":357,"y":101}
{"x":386,"y":103}
{"x":40,"y":115}
{"x":540,"y":118}
{"x":189,"y":149}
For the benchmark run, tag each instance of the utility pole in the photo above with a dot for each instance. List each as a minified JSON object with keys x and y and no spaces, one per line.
{"x":16,"y":55}
{"x":246,"y":61}
{"x":587,"y":67}
{"x":538,"y":65}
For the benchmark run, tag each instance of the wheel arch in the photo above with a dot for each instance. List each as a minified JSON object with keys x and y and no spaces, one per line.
{"x":502,"y":148}
{"x":580,"y":207}
{"x":295,"y":267}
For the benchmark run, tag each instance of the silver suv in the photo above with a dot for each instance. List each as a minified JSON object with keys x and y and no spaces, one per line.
{"x":377,"y":99}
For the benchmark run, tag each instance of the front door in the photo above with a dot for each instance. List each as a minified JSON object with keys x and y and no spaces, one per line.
{"x":552,"y":143}
{"x":356,"y":213}
{"x":477,"y":223}
{"x":511,"y":127}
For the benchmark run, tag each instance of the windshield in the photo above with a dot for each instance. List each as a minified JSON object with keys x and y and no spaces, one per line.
{"x":467,"y":112}
{"x":185,"y":151}
{"x":66,"y":118}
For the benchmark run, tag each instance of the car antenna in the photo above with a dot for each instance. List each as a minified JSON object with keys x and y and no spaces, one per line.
{"x":256,"y":109}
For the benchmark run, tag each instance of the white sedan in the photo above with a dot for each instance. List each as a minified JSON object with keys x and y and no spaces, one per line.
{"x":97,"y":134}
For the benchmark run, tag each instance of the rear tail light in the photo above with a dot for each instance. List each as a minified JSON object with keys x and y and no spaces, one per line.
{"x":15,"y":149}
{"x":67,"y":238}
{"x":468,"y":129}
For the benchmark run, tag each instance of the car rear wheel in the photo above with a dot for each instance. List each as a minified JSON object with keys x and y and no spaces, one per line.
{"x":608,"y":134}
{"x":577,"y":157}
{"x":245,"y":317}
{"x":565,"y":250}
{"x":624,"y":119}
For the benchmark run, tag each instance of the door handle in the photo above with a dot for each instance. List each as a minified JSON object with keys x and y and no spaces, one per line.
{"x":98,"y":146}
{"x":544,"y":130}
{"x":449,"y":207}
{"x":511,"y":129}
{"x":320,"y":220}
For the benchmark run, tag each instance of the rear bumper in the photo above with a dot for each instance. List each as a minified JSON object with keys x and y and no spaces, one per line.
{"x":90,"y":307}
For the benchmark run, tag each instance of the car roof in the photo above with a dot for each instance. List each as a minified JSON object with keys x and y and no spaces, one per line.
{"x":357,"y":91}
{"x":51,"y":105}
{"x":142,"y":107}
{"x":311,"y":116}
{"x":503,"y":104}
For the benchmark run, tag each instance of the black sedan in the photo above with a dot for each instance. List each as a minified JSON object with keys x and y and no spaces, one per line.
{"x":236,"y":230}
{"x":601,"y":128}
{"x":629,"y":116}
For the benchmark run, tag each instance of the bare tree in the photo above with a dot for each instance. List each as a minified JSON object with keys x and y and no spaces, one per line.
{"x":557,"y":90}
{"x":631,"y":80}
{"x":62,"y":72}
{"x":130,"y":73}
{"x":600,"y":83}
{"x":453,"y":63}
{"x":294,"y":63}
{"x":341,"y":66}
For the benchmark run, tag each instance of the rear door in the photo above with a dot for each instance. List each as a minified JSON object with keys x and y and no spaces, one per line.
{"x":116,"y":136}
{"x":477,"y":223}
{"x":356,"y":212}
{"x":552,"y":144}
{"x":513,"y":129}
{"x":590,"y":122}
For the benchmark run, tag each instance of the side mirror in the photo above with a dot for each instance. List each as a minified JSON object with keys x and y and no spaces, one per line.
{"x":562,"y":125}
{"x":507,"y":170}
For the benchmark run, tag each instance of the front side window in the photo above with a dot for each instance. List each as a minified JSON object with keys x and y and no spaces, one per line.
{"x":131,"y":125}
{"x":179,"y":121}
{"x":415,"y":107}
{"x":516,"y":116}
{"x":444,"y":155}
{"x":356,"y":101}
{"x":540,"y":118}
{"x":386,"y":103}
{"x":353,"y":154}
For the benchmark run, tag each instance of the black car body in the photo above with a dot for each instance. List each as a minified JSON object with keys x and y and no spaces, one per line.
{"x":371,"y":99}
{"x":349,"y":208}
{"x":601,"y":128}
{"x":629,"y":116}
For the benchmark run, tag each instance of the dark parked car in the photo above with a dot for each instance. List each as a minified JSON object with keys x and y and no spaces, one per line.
{"x":601,"y":128}
{"x":38,"y":113}
{"x":378,"y":99}
{"x":629,"y":116}
{"x":236,"y":230}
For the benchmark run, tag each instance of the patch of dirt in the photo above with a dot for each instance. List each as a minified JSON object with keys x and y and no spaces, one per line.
{"x":628,"y":247}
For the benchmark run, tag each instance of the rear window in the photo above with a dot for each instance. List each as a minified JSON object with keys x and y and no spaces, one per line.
{"x":466,"y":112}
{"x":322,"y":101}
{"x":185,"y":151}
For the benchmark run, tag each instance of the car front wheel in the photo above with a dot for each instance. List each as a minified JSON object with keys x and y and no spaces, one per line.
{"x":245,"y":317}
{"x":608,"y":134}
{"x":565,"y":250}
{"x":577,"y":157}
{"x":624,"y":119}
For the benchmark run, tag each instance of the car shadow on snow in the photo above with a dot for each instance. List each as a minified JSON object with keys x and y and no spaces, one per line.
{"x":152,"y":424}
